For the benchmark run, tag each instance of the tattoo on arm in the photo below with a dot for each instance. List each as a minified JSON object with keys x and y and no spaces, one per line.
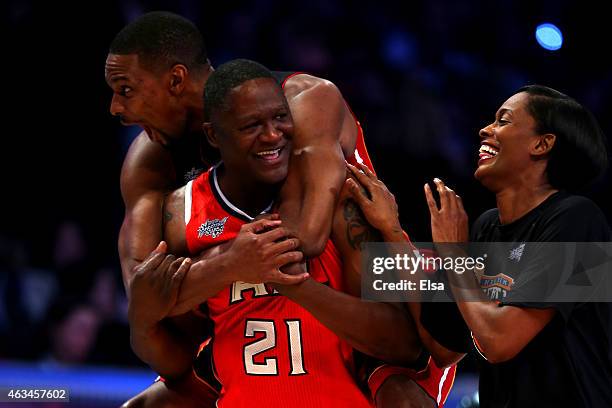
{"x":358,"y":232}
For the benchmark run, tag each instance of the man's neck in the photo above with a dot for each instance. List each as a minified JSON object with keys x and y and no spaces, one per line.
{"x":251,"y":197}
{"x":194,"y":103}
{"x":195,"y":115}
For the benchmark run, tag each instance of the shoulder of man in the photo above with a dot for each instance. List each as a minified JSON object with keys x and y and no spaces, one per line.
{"x":146,"y":167}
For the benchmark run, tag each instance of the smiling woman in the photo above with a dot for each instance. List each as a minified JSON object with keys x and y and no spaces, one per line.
{"x":536,"y":132}
{"x":532,"y":353}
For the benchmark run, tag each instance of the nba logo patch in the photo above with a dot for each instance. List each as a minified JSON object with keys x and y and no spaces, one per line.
{"x":517,"y":253}
{"x":212,"y":228}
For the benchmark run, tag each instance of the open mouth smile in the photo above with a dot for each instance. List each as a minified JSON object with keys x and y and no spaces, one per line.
{"x":486,"y":152}
{"x":270,"y":155}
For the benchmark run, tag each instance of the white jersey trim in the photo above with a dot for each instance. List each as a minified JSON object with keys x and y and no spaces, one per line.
{"x":358,"y":157}
{"x":188,"y":188}
{"x":228,"y":202}
{"x":441,"y":384}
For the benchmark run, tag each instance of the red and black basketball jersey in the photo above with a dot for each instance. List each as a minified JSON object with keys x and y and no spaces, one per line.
{"x":267,"y":350}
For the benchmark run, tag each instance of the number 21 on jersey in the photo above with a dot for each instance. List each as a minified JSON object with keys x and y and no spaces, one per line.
{"x":267,"y":342}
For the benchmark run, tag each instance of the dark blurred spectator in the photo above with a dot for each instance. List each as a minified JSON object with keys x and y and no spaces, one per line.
{"x":107,"y":296}
{"x":72,"y":260}
{"x":70,"y":247}
{"x":71,"y":330}
{"x":25,"y":294}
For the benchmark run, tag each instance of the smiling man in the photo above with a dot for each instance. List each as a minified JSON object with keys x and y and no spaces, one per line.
{"x":268,"y":349}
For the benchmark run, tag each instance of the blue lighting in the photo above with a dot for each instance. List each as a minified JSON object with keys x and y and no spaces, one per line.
{"x":549,"y":36}
{"x":400,"y":49}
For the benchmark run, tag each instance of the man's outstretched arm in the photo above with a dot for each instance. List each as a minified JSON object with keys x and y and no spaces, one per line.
{"x":146,"y":176}
{"x":325,"y":133}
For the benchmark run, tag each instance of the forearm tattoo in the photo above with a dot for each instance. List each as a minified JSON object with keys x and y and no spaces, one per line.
{"x":358,"y":232}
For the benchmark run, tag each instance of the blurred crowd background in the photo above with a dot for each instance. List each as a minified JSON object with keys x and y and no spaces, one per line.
{"x":422,"y":77}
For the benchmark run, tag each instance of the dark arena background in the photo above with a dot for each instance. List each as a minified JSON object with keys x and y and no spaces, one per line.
{"x":422,"y":77}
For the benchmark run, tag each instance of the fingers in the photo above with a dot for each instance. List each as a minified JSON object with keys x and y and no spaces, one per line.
{"x":162,"y":247}
{"x":154,"y":259}
{"x":288,"y":257}
{"x":284,"y":246}
{"x":274,"y":216}
{"x":286,"y":279}
{"x":179,"y":275}
{"x":451,"y":198}
{"x":362,"y":176}
{"x":173,"y":276}
{"x":431,"y":202}
{"x":165,"y":264}
{"x":273,"y":235}
{"x":261,"y":225}
{"x":460,"y":203}
{"x":174,"y":266}
{"x":357,"y":193}
{"x":365,"y":169}
{"x":373,"y":187}
{"x":443,"y":193}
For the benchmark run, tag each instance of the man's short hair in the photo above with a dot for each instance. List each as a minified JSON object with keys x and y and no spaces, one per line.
{"x":225,"y":78}
{"x":162,"y":40}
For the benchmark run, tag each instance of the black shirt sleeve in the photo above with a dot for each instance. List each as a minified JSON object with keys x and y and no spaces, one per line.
{"x":554,"y":259}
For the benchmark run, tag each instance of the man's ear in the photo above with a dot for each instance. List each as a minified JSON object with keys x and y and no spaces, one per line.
{"x":210,"y":133}
{"x":543,"y":144}
{"x":178,"y":79}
